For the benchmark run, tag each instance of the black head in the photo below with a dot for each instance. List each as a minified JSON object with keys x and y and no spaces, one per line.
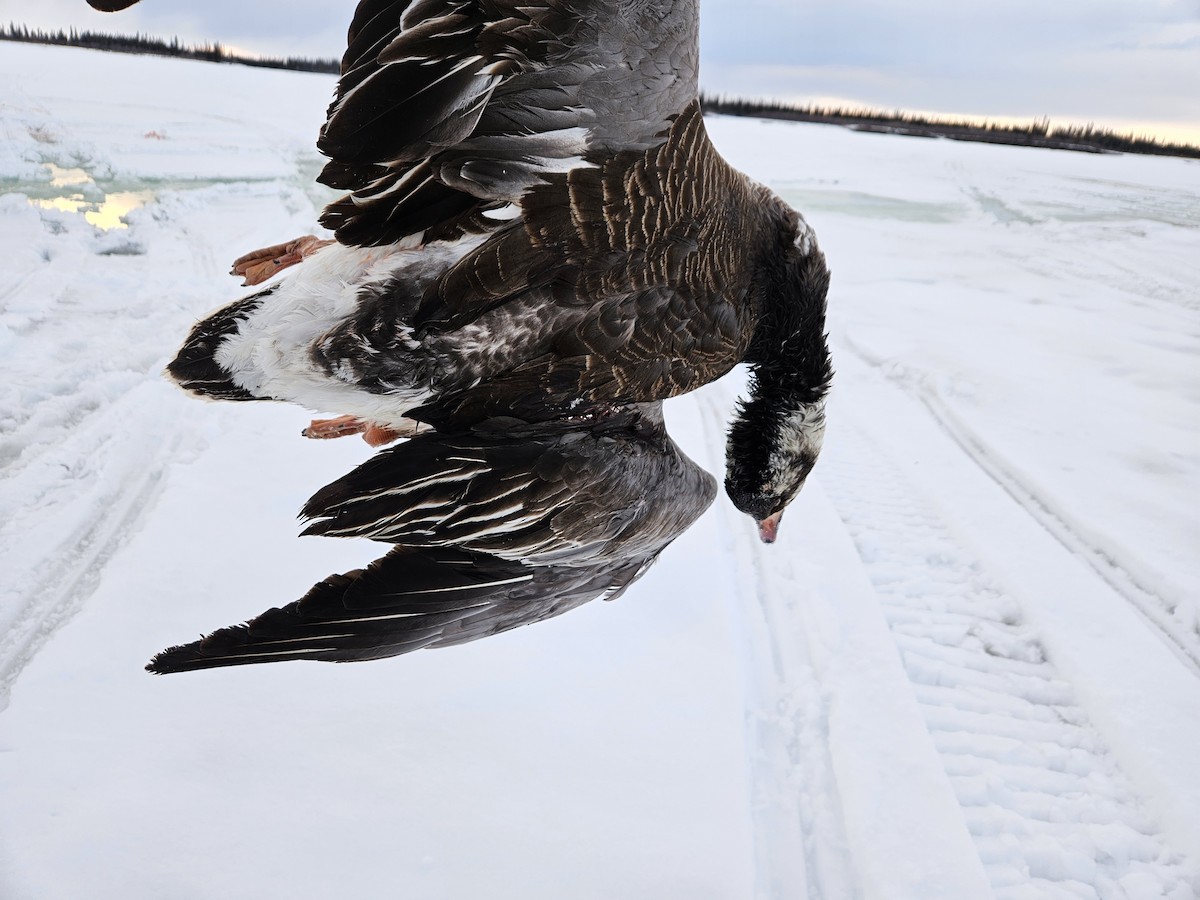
{"x":771,"y":450}
{"x":777,"y":435}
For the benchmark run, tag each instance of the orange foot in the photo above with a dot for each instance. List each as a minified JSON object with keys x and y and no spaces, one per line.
{"x":375,"y":435}
{"x":259,"y":265}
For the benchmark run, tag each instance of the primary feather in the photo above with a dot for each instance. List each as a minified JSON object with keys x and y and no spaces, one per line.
{"x":501,"y":526}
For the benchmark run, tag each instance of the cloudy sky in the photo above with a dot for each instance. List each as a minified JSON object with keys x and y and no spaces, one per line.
{"x":1129,"y":64}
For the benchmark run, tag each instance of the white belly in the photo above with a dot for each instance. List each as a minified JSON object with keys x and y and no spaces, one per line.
{"x":270,"y":354}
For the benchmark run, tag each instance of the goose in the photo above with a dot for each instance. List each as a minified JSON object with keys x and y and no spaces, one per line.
{"x":535,"y":225}
{"x":502,"y":525}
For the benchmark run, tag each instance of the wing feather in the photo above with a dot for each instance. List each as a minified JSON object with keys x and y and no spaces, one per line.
{"x":504,"y":526}
{"x":390,"y":608}
{"x":490,"y":96}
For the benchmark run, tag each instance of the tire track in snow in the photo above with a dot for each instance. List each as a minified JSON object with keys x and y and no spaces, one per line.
{"x":89,"y":424}
{"x":1158,"y":611}
{"x":850,"y":797}
{"x":73,"y":509}
{"x":800,"y":835}
{"x":1184,"y":640}
{"x":1051,"y":811}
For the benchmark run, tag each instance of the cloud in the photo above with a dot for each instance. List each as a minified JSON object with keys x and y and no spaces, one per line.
{"x":1090,"y":59}
{"x":1102,"y":61}
{"x":1176,"y":36}
{"x":924,"y":35}
{"x":271,"y":27}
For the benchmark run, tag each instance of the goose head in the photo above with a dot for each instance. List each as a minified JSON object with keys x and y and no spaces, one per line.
{"x":777,"y":434}
{"x":771,"y":450}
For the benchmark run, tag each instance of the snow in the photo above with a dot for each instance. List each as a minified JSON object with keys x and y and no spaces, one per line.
{"x":970,"y":667}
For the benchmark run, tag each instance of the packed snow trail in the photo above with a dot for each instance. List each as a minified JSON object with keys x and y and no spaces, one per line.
{"x":1045,"y":796}
{"x":967,"y":669}
{"x":86,"y":324}
{"x":89,"y":423}
{"x":1175,"y":621}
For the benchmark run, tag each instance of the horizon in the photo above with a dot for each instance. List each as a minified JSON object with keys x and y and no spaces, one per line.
{"x":1163,"y":134}
{"x":1111,"y":63}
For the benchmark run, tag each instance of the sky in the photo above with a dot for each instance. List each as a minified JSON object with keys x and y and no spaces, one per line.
{"x":1126,"y":64}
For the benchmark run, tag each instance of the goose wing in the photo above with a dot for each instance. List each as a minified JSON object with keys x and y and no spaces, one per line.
{"x":446,"y":108}
{"x":643,"y":266}
{"x":567,"y":492}
{"x":498,"y":528}
{"x":408,"y":600}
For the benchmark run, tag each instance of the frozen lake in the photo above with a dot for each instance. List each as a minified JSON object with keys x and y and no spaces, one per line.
{"x":970,"y":667}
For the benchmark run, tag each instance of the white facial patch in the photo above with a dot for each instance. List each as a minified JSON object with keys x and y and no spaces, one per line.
{"x":806,"y":238}
{"x":801,"y":433}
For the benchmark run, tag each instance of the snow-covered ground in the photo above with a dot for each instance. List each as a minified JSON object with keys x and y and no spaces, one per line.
{"x":970,"y":667}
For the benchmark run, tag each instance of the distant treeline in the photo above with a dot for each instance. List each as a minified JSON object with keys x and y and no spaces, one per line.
{"x":1039,"y":133}
{"x":153,"y":46}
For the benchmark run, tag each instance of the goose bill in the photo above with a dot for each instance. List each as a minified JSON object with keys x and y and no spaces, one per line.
{"x":768,"y":528}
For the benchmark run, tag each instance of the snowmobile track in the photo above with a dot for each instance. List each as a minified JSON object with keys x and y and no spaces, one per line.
{"x":1045,"y":800}
{"x":1158,"y":611}
{"x":787,"y":728}
{"x":47,"y":588}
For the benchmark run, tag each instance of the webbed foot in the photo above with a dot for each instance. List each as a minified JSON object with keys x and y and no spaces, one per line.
{"x":375,"y":435}
{"x":257,"y":266}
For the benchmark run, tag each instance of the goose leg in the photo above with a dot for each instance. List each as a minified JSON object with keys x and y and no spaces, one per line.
{"x":325,"y":429}
{"x":375,"y":435}
{"x":378,"y":435}
{"x":257,"y":266}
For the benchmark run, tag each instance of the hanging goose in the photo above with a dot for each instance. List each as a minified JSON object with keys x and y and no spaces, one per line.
{"x":536,"y":224}
{"x":504,"y":525}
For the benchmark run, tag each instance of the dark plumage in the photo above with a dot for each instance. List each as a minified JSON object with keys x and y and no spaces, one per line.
{"x":634,"y":264}
{"x":538,"y":240}
{"x":504,"y":525}
{"x":195,"y":366}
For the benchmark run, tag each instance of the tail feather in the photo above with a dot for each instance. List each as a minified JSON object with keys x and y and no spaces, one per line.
{"x":195,"y":367}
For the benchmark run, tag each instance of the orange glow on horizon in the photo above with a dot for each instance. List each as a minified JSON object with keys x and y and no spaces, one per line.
{"x":1165,"y":132}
